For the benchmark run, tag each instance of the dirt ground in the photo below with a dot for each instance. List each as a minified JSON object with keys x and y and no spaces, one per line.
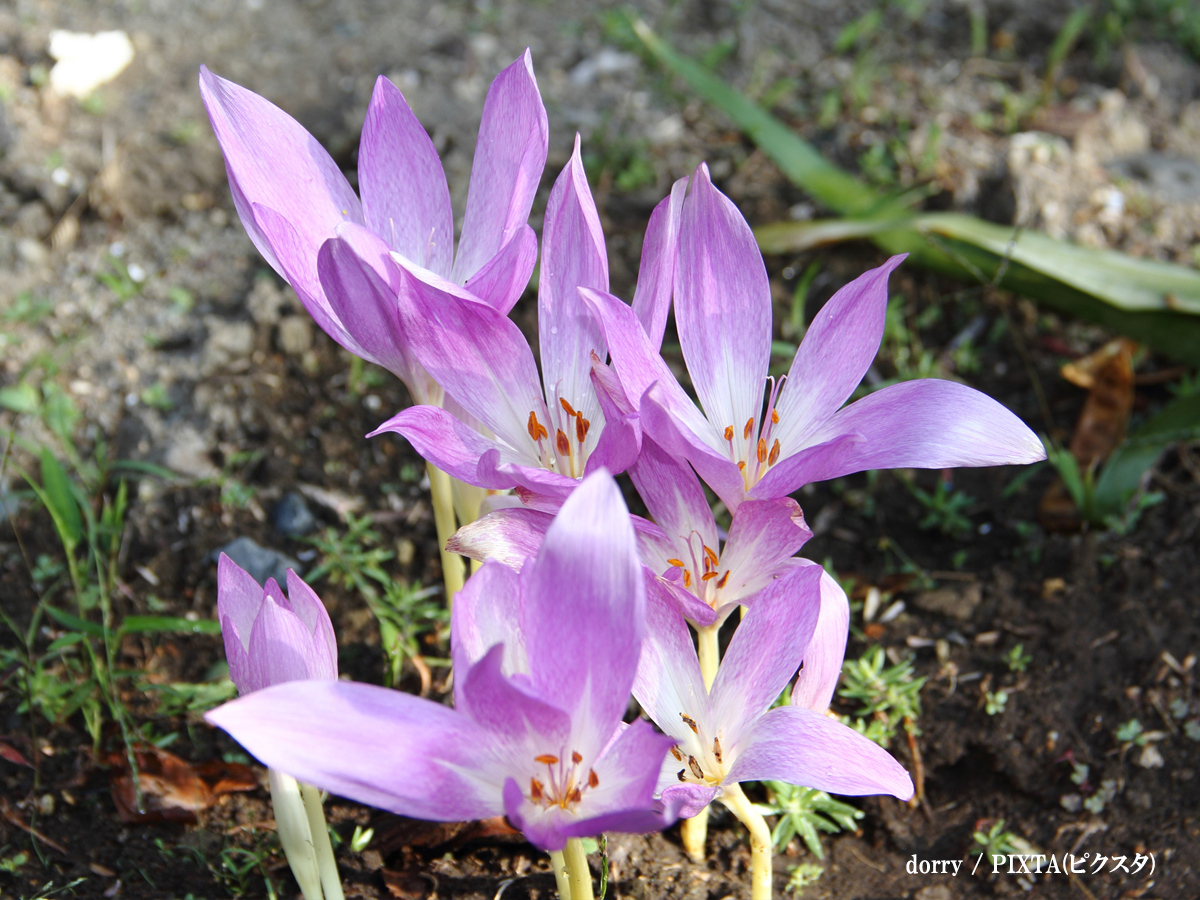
{"x":128,"y":285}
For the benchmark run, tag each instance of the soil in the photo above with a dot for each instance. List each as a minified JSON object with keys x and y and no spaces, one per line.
{"x":209,"y":368}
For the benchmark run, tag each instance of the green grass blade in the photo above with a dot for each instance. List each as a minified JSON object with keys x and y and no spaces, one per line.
{"x":60,"y":500}
{"x":171,"y":624}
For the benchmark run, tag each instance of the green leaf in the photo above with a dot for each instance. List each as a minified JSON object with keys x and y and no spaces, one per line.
{"x":23,"y":398}
{"x":56,"y":493}
{"x":1122,"y":475}
{"x":173,"y":624}
{"x":72,"y":622}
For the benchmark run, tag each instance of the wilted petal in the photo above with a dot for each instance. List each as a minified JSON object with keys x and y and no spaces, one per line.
{"x":799,"y":746}
{"x":405,"y":198}
{"x":510,"y":154}
{"x":585,"y":606}
{"x":276,"y":163}
{"x":838,"y":348}
{"x":378,"y":746}
{"x":656,"y":275}
{"x":825,"y":652}
{"x":510,"y":536}
{"x":766,"y":650}
{"x":573,"y":256}
{"x":446,"y":442}
{"x":502,"y":279}
{"x":763,"y":535}
{"x":926,"y":424}
{"x":722,"y":307}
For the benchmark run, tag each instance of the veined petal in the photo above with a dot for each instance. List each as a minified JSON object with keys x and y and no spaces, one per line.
{"x":361,"y":281}
{"x":927,"y":424}
{"x":763,"y":535}
{"x":488,"y":611}
{"x":502,"y":279}
{"x":509,"y":536}
{"x":405,"y":197}
{"x":825,"y":652}
{"x":476,"y":354}
{"x":668,"y":676}
{"x":573,"y":256}
{"x":311,"y":611}
{"x":239,"y":597}
{"x":656,"y":274}
{"x":765,"y":651}
{"x":793,"y":472}
{"x":510,"y":154}
{"x":803,"y":747}
{"x":685,"y":800}
{"x":235,"y":653}
{"x":620,"y":441}
{"x":380,"y":747}
{"x":674,"y":497}
{"x":449,"y":444}
{"x":722,"y":308}
{"x":282,"y":649}
{"x":514,"y":719}
{"x":838,"y":348}
{"x":276,"y":163}
{"x":690,"y":606}
{"x":585,"y":607}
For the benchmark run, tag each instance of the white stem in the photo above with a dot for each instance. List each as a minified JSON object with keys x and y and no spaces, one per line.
{"x":331,"y":882}
{"x":560,"y":874}
{"x":578,"y":873}
{"x":291,"y":824}
{"x":760,"y":840}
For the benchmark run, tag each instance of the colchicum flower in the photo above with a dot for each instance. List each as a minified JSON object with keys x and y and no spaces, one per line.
{"x":744,"y":449}
{"x":336,"y":252}
{"x":543,"y":661}
{"x":271,"y":639}
{"x":546,"y":433}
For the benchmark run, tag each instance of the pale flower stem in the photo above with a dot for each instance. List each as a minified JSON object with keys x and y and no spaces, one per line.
{"x":560,"y":874}
{"x":760,"y":840}
{"x":694,"y":831}
{"x":291,"y":824}
{"x":453,"y":570}
{"x":579,"y":875}
{"x":331,"y":882}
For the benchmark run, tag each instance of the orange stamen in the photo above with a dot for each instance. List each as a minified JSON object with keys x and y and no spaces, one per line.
{"x":762,"y":450}
{"x":537,"y":430}
{"x":566,"y":407}
{"x":724,"y":579}
{"x":535,"y":789}
{"x":586,"y":424}
{"x":774,"y":457}
{"x":593,"y":778}
{"x":687,"y":578}
{"x":580,"y":428}
{"x":774,"y":417}
{"x":690,"y":722}
{"x":678,"y":563}
{"x":561,"y":442}
{"x":749,"y":428}
{"x":695,"y":767}
{"x":717,"y":748}
{"x":546,"y":759}
{"x":729,"y":432}
{"x":711,"y":554}
{"x":675,"y":753}
{"x":708,"y":576}
{"x":575,"y":757}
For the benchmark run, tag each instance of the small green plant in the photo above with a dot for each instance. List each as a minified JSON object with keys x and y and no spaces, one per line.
{"x":995,"y":702}
{"x":996,"y":841}
{"x":236,"y":867}
{"x":803,"y":812}
{"x":1018,"y":660}
{"x":945,"y":508}
{"x":361,"y":838}
{"x":10,"y":864}
{"x":120,"y":280}
{"x":890,"y":696}
{"x":801,"y":876}
{"x":1130,"y":732}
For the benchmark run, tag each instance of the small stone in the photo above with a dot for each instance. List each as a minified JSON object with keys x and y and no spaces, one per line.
{"x":1071,"y":802}
{"x":1150,"y":758}
{"x":406,"y":551}
{"x":227,"y":342}
{"x":259,"y":561}
{"x":33,"y":252}
{"x":292,"y":517}
{"x":188,"y":454}
{"x":933,"y":892}
{"x":295,"y":335}
{"x":265,"y":301}
{"x":953,"y":602}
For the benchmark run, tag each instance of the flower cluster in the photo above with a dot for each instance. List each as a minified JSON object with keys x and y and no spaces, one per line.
{"x":578,"y":604}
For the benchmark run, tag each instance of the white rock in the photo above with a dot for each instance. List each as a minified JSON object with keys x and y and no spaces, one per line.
{"x":86,"y":61}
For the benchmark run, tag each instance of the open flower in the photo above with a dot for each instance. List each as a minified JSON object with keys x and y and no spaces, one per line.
{"x":270,"y":638}
{"x":745,"y":449}
{"x":293,"y":199}
{"x":543,"y":663}
{"x":731,"y":734}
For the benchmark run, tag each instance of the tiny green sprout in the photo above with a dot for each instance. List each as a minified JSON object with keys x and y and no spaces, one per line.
{"x":1131,"y":733}
{"x":995,"y":701}
{"x":1095,"y":804}
{"x":805,"y":811}
{"x":361,"y":838}
{"x":156,"y":397}
{"x":1079,"y":772}
{"x":889,"y":697}
{"x":1179,"y":708}
{"x":996,"y":841}
{"x":10,"y":864}
{"x":801,"y":876}
{"x":1192,"y":729}
{"x":1018,"y":660}
{"x":181,"y":298}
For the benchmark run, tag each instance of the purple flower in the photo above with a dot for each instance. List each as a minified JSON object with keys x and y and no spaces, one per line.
{"x":745,"y":450}
{"x":545,"y":433}
{"x":543,"y":663}
{"x":270,"y":638}
{"x":731,"y":734}
{"x":305,"y":219}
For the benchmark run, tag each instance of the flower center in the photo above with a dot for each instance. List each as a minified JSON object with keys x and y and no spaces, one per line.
{"x":564,"y":784}
{"x":566,"y":453}
{"x":755,"y":451}
{"x":703,"y":576}
{"x":703,"y":762}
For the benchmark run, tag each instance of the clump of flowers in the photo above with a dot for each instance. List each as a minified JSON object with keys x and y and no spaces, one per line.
{"x":578,"y":605}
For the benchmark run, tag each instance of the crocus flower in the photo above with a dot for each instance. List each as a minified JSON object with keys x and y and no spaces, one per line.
{"x":543,"y":663}
{"x":545,"y":433}
{"x":270,"y":638}
{"x":745,"y":449}
{"x":730,"y":734}
{"x":293,"y":200}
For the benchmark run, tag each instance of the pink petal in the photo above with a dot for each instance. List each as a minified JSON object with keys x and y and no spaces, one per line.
{"x":449,"y":444}
{"x":826,"y":651}
{"x":510,"y":154}
{"x":656,"y":275}
{"x":763,"y":536}
{"x":502,"y":280}
{"x":282,"y":649}
{"x":674,"y":498}
{"x":668,"y":676}
{"x":405,"y":198}
{"x":239,"y":597}
{"x":509,"y":536}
